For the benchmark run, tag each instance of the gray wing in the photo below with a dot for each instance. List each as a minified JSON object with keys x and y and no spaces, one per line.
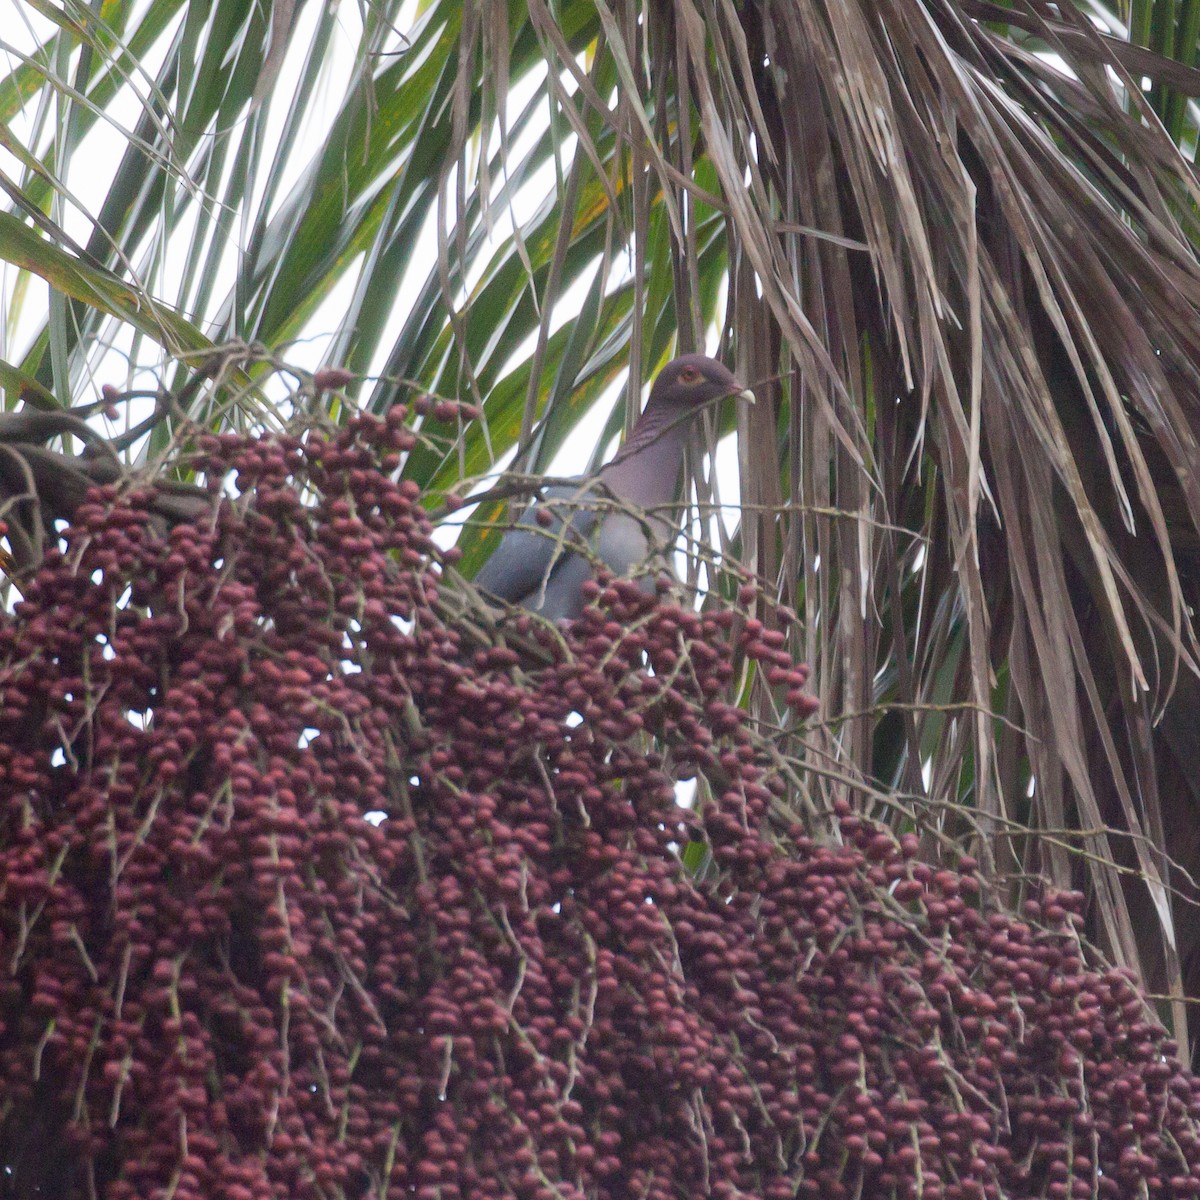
{"x":531,"y":554}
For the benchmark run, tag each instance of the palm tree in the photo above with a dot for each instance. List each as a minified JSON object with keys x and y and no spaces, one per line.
{"x":950,"y":243}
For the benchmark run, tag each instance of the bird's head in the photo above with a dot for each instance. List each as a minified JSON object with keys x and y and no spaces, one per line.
{"x":693,"y":380}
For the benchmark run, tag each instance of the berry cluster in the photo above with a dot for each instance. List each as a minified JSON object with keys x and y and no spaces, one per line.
{"x":219,"y":979}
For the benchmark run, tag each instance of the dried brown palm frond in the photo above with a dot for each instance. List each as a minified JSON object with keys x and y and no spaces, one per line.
{"x":964,"y":273}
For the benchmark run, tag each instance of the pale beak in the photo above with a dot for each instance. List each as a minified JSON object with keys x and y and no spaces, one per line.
{"x":745,"y":394}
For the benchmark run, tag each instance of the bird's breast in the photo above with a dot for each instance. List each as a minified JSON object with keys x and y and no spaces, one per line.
{"x":623,"y":544}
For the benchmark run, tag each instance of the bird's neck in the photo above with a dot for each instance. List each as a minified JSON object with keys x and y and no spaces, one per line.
{"x":646,"y":469}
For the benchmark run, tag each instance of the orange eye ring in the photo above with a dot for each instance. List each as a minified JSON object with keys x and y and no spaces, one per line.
{"x":690,"y":375}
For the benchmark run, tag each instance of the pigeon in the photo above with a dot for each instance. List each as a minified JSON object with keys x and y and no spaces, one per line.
{"x":611,"y":518}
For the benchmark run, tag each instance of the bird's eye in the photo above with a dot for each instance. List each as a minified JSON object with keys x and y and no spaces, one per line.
{"x":690,"y":375}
